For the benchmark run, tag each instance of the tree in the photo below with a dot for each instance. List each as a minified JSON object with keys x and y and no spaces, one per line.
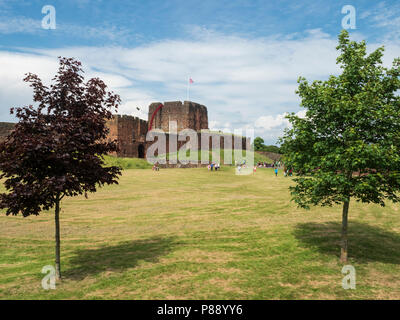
{"x":258,"y":144}
{"x":348,"y":145}
{"x":57,"y":149}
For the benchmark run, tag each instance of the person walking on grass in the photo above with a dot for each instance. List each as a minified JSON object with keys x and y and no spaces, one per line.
{"x":276,"y":171}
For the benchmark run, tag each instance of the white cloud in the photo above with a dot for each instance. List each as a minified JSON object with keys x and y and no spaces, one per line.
{"x":301,"y":113}
{"x":13,"y":91}
{"x":220,"y":126}
{"x":270,"y":122}
{"x":21,"y":24}
{"x":385,"y":17}
{"x":273,"y":126}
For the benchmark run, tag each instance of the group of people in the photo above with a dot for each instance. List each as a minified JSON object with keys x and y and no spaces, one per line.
{"x":213,"y":166}
{"x":242,"y":164}
{"x":288,"y":172}
{"x":216,"y":166}
{"x":265,"y":165}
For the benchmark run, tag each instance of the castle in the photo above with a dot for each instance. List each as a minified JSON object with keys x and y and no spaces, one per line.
{"x":130,"y":132}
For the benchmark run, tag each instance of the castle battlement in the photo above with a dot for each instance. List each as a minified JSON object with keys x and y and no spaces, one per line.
{"x":188,"y":115}
{"x":131,"y":131}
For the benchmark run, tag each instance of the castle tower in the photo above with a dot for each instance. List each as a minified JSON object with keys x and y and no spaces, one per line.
{"x":189,"y":115}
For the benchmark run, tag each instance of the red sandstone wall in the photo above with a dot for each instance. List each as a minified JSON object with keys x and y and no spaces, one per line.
{"x":231,"y":142}
{"x":5,"y":129}
{"x":130,"y":132}
{"x":188,"y":115}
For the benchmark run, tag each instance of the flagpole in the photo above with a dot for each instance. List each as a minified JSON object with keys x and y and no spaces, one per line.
{"x":188,"y":88}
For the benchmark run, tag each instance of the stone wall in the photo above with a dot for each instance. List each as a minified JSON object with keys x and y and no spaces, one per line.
{"x":272,"y":155}
{"x":188,"y":115}
{"x":5,"y":129}
{"x":223,"y":141}
{"x":130,"y":133}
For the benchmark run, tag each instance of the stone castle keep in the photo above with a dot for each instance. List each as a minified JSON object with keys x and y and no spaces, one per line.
{"x":130,"y":131}
{"x":187,"y":115}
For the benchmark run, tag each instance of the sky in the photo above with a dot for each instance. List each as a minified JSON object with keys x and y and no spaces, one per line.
{"x":244,"y":56}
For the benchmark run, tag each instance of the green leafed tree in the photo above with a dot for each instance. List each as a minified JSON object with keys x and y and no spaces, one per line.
{"x":348,"y":145}
{"x":258,"y":144}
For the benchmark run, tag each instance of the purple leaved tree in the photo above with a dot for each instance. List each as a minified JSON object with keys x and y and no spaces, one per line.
{"x":57,"y":148}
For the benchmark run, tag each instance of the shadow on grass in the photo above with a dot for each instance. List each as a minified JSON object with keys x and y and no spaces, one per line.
{"x":117,"y":258}
{"x":366,"y":243}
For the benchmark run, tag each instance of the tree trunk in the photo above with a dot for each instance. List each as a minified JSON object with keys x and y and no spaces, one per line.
{"x":343,"y":252}
{"x":57,"y":219}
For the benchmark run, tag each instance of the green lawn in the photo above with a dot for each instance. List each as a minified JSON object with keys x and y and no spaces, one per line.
{"x":127,"y":163}
{"x":195,"y":234}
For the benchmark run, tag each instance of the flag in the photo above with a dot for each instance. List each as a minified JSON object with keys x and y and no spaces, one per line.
{"x":190,"y":80}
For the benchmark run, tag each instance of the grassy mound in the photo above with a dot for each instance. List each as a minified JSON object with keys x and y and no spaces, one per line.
{"x":127,"y":163}
{"x":198,"y":155}
{"x":135,"y":163}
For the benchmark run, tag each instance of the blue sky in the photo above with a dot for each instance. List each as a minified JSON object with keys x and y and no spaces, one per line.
{"x":244,"y":56}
